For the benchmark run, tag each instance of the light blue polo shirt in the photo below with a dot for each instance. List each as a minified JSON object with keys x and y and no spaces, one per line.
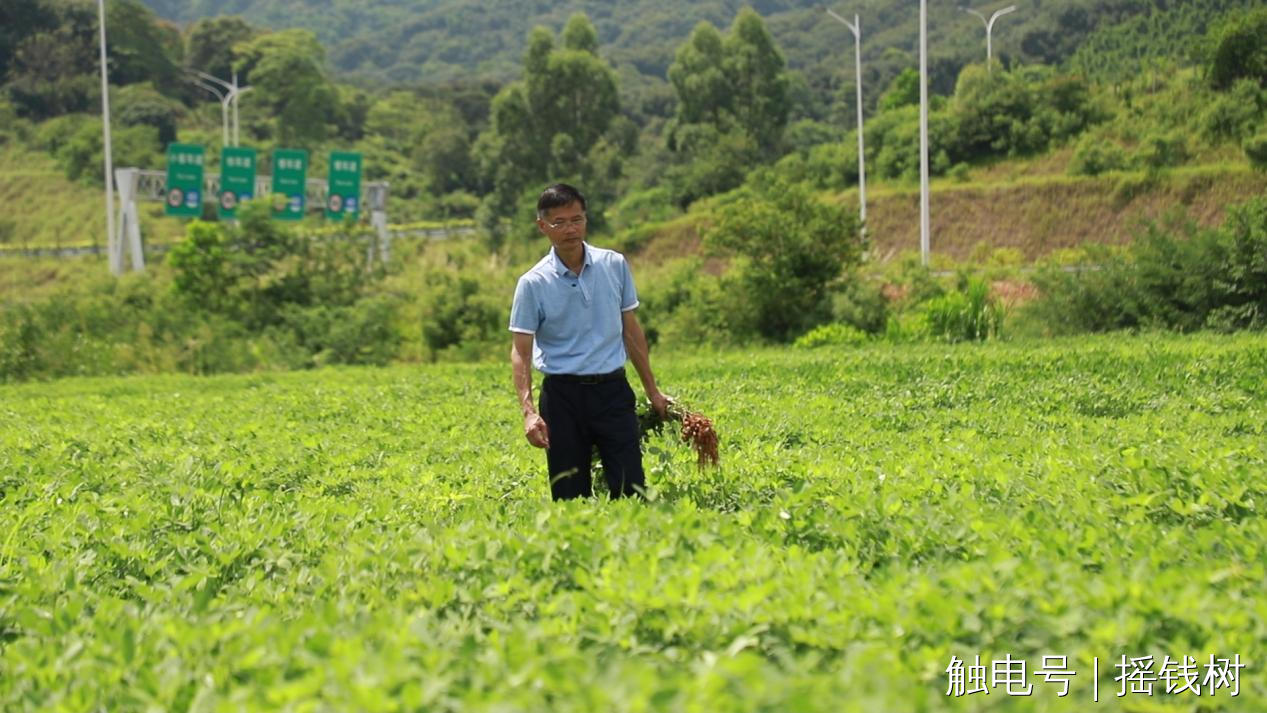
{"x":576,"y":320}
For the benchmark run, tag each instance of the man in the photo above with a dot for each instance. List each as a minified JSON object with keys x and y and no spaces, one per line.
{"x":573,"y":319}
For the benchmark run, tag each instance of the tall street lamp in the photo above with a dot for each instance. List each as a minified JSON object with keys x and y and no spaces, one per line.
{"x":115,"y":255}
{"x":856,"y":28}
{"x":989,"y":28}
{"x":224,"y":108}
{"x":228,"y":96}
{"x":924,"y":237}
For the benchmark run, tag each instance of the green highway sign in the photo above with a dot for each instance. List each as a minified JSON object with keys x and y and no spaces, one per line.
{"x":184,"y":180}
{"x":290,"y":179}
{"x":343,"y":197}
{"x":237,"y":179}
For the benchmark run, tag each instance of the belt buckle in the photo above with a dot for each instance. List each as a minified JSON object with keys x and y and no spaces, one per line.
{"x":591,"y":378}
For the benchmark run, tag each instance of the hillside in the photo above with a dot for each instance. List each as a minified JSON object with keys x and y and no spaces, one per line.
{"x":50,"y":211}
{"x":1028,"y":217}
{"x":1034,"y":214}
{"x":1039,"y":216}
{"x":436,"y":41}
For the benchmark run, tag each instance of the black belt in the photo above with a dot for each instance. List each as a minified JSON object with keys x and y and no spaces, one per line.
{"x":588,"y":378}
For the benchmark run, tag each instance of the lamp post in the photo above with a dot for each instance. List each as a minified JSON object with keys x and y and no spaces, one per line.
{"x":224,"y":108}
{"x":924,"y":237}
{"x":115,"y":255}
{"x":856,"y":28}
{"x":989,"y":28}
{"x":228,"y":96}
{"x":234,"y":94}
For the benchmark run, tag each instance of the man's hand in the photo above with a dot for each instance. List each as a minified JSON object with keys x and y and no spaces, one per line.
{"x":535,"y":430}
{"x":660,"y":403}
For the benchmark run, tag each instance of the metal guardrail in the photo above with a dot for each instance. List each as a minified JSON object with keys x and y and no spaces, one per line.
{"x":80,"y":250}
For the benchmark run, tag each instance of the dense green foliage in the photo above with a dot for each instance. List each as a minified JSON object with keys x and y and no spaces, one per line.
{"x":1238,"y":50}
{"x":1163,"y":36}
{"x":382,"y":540}
{"x":697,"y":120}
{"x":242,"y":297}
{"x":732,"y":106}
{"x":790,"y":249}
{"x":1176,"y":276}
{"x":556,"y":123}
{"x":403,"y":42}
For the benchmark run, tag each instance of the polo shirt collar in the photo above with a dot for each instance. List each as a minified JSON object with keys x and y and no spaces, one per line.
{"x":560,"y":269}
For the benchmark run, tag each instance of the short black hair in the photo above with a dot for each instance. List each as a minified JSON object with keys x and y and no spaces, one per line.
{"x":558,"y":195}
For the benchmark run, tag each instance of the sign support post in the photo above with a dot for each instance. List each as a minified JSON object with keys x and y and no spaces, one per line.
{"x":129,"y":220}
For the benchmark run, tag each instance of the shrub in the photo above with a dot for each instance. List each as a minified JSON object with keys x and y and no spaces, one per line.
{"x":130,"y":325}
{"x":792,"y":245}
{"x":249,"y":272}
{"x":459,"y":313}
{"x":684,"y":305}
{"x":54,"y":133}
{"x":831,"y":335}
{"x":1016,"y":113}
{"x":143,"y":105}
{"x":1240,"y":254}
{"x":862,"y":305}
{"x":906,"y":327}
{"x":1256,"y":151}
{"x":710,"y":162}
{"x":1238,"y":51}
{"x":1233,"y":114}
{"x":1158,"y":151}
{"x":359,"y":333}
{"x":968,"y":315}
{"x":80,"y":155}
{"x":801,"y":136}
{"x":1095,"y":155}
{"x":1173,"y":276}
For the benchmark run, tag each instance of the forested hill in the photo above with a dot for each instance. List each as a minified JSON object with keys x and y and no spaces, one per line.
{"x":411,"y":41}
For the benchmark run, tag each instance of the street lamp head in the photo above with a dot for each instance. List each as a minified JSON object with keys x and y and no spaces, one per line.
{"x":970,"y":11}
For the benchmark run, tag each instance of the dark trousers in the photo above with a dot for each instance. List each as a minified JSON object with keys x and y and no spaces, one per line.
{"x":584,"y":414}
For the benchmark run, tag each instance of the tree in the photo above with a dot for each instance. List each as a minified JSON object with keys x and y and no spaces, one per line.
{"x":571,"y":92}
{"x":902,"y":91}
{"x":732,"y":106}
{"x":138,"y":47}
{"x":20,"y":19}
{"x":212,"y":41}
{"x":53,"y":72}
{"x":1240,"y":51}
{"x":758,"y":77}
{"x":1256,"y":151}
{"x":698,"y":74}
{"x":553,"y":123}
{"x":790,"y":248}
{"x":142,"y":104}
{"x":287,"y":70}
{"x":737,"y":82}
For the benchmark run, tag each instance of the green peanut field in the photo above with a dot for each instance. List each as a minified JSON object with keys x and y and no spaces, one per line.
{"x":383,"y":539}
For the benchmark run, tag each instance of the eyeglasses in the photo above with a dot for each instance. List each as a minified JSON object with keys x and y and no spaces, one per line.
{"x":576,"y":222}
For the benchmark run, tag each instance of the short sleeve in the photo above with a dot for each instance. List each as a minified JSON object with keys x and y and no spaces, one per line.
{"x":628,"y":293}
{"x":524,"y":316}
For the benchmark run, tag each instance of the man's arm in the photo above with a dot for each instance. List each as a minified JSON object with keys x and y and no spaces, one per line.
{"x":636,"y":346}
{"x":521,"y":371}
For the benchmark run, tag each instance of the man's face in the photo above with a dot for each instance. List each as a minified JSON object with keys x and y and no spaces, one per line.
{"x":564,"y":226}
